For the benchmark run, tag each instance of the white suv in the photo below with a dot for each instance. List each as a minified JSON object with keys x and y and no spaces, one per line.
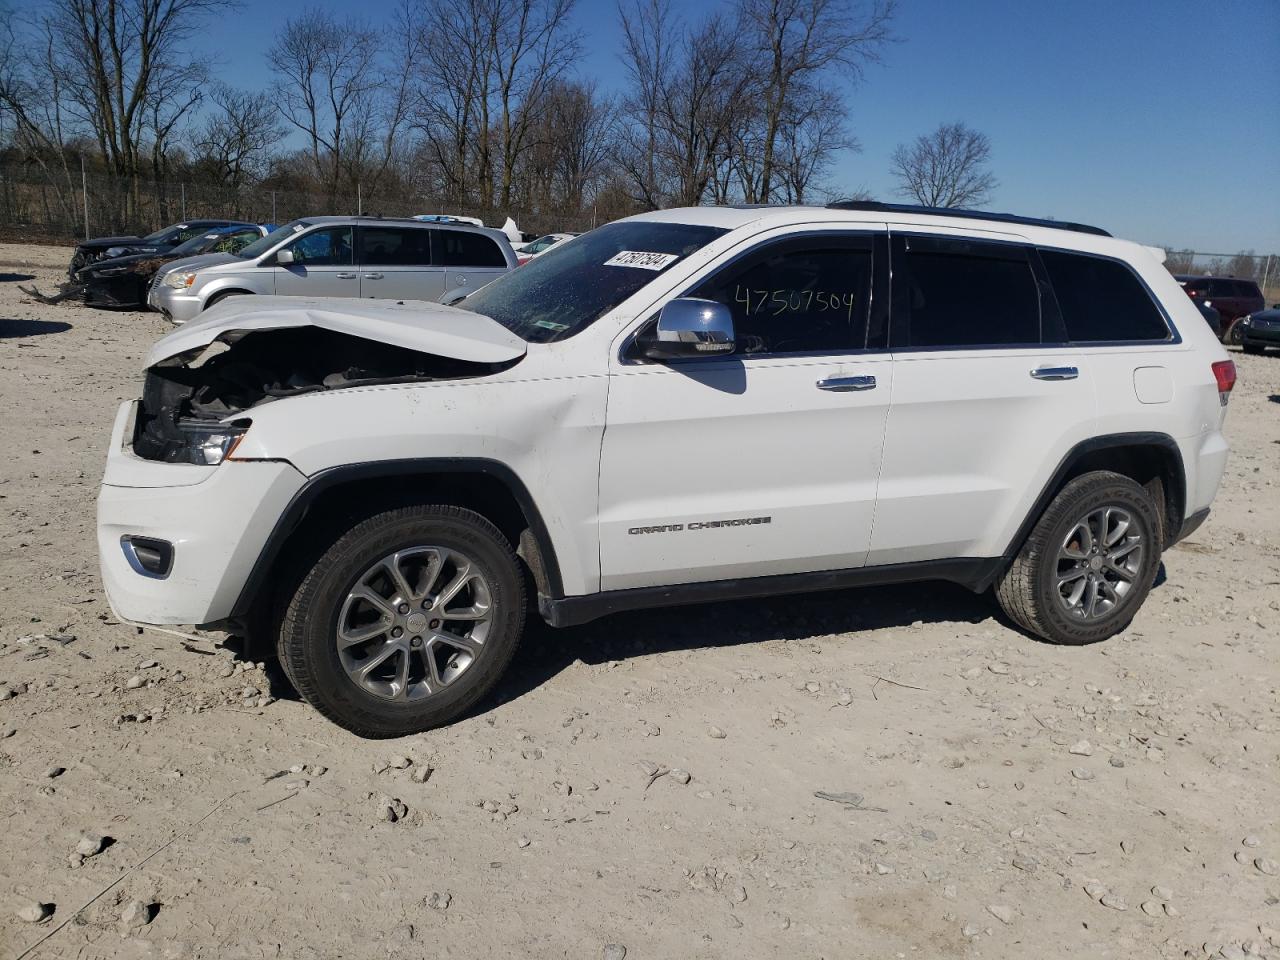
{"x":340,"y":257}
{"x":683,"y":406}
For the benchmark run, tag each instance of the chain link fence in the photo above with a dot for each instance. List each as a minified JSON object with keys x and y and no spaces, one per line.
{"x":61,"y":206}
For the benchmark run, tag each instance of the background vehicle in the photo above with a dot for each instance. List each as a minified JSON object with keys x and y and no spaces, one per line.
{"x":1260,"y":330}
{"x":342,"y":257}
{"x":528,"y":251}
{"x":688,"y":405}
{"x":1212,"y":318}
{"x":1232,"y":298}
{"x":87,"y":251}
{"x":123,"y":281}
{"x":448,"y":218}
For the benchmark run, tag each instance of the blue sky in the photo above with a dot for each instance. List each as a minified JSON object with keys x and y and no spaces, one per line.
{"x":1158,"y":120}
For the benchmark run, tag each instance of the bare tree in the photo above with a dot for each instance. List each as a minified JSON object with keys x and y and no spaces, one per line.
{"x":328,"y":69}
{"x":237,"y":139}
{"x":796,"y":43}
{"x":946,"y":168}
{"x":120,"y":72}
{"x":578,"y":132}
{"x":450,"y":107}
{"x":487,"y":67}
{"x":690,"y":92}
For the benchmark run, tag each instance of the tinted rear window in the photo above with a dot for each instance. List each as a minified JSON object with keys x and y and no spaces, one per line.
{"x":969,"y":294}
{"x":1102,"y":300}
{"x":395,"y":247}
{"x":461,"y":248}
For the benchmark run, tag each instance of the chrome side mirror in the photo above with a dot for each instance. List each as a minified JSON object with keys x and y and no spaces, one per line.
{"x":690,"y":327}
{"x":284,"y":258}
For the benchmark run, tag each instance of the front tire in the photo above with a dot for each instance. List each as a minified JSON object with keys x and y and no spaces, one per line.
{"x":1088,"y":564}
{"x":405,"y":622}
{"x":217,"y":298}
{"x":1235,"y":334}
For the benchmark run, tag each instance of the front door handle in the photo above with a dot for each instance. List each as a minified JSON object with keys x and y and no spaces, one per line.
{"x":1055,"y":373}
{"x":345,"y":276}
{"x":373,"y":276}
{"x":847,"y":384}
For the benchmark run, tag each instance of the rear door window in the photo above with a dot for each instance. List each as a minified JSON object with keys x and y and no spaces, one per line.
{"x":462,"y":248}
{"x":963,"y":293}
{"x":1102,"y":300}
{"x":395,"y":247}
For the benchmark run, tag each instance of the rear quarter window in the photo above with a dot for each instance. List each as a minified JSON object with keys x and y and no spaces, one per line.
{"x":1102,"y":301}
{"x":461,"y":248}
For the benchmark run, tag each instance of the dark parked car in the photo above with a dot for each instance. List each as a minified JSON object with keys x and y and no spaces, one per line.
{"x":99,"y":248}
{"x":1260,"y":330}
{"x":1231,"y":297}
{"x":123,"y":281}
{"x":1213,"y":318}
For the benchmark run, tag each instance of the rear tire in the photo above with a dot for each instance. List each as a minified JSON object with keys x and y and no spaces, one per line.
{"x":421,"y":660}
{"x":1088,"y":564}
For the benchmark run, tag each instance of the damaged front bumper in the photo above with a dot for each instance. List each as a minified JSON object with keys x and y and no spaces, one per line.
{"x":207,"y":524}
{"x":178,"y":306}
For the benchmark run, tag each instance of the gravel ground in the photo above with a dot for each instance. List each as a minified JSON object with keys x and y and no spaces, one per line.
{"x":871,"y":773}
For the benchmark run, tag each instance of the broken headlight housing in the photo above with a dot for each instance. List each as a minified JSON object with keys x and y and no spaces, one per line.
{"x":180,"y":279}
{"x":208,"y":443}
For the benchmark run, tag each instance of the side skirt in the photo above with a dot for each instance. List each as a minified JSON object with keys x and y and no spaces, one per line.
{"x":975,"y":573}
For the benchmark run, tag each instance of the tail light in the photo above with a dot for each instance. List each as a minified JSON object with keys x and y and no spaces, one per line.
{"x":1224,"y":371}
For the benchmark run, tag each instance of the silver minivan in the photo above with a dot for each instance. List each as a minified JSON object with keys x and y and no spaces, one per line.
{"x":341,"y":257}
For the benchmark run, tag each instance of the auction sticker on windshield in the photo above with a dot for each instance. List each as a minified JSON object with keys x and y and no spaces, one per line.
{"x":642,"y":259}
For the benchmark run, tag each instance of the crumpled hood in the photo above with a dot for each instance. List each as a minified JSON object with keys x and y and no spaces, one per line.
{"x":101,"y":242}
{"x":412,"y":324}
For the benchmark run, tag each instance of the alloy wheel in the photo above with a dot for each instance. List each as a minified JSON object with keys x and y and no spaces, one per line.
{"x":1099,"y":563}
{"x":414,"y":622}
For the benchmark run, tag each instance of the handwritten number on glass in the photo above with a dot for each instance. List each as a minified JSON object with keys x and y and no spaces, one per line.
{"x":775,"y":302}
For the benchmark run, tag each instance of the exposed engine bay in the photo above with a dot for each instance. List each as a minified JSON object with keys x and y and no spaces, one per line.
{"x":185,"y":398}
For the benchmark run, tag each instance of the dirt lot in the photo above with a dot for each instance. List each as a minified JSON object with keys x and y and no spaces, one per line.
{"x":1017,"y":799}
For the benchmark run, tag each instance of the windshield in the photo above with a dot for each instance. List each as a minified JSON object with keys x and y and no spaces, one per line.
{"x":569,"y":287}
{"x":196,"y":244}
{"x":263,"y":244}
{"x":159,"y":234}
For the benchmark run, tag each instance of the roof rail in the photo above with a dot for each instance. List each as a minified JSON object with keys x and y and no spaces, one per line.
{"x":876,"y":206}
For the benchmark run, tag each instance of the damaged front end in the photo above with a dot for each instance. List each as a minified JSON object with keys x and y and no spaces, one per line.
{"x":195,"y":406}
{"x":71,"y":290}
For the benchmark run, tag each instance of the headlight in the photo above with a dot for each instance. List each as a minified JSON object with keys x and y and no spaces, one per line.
{"x":1245,"y":321}
{"x":208,"y":444}
{"x":180,"y":279}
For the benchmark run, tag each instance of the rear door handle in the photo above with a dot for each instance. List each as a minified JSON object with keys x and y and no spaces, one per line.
{"x":847,"y":384}
{"x":345,"y":276}
{"x":1055,"y":373}
{"x":373,"y":276}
